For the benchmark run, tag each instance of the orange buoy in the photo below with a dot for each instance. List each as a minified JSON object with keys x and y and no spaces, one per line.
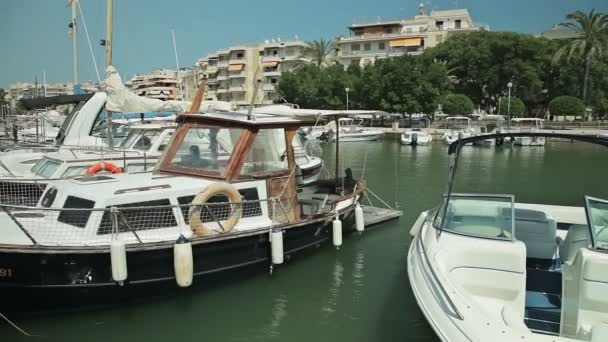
{"x":103,"y":166}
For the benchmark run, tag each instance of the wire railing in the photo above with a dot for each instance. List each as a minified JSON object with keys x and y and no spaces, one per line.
{"x":137,"y":224}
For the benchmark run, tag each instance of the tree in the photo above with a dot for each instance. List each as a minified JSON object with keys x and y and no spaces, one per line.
{"x":590,"y":43}
{"x":566,"y":105}
{"x":457,"y":104}
{"x":517,"y":107}
{"x":320,"y":50}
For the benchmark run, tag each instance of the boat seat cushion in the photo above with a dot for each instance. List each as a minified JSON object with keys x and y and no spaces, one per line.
{"x":577,"y":238}
{"x":513,"y":320}
{"x":599,"y":333}
{"x":537,"y":231}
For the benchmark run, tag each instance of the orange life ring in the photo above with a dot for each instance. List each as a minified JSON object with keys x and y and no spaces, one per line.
{"x":103,"y":166}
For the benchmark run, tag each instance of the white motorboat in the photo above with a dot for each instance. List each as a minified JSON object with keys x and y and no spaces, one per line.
{"x":484,"y":267}
{"x":527,"y":125}
{"x":351,"y":130}
{"x":457,"y":127}
{"x":416,"y":137}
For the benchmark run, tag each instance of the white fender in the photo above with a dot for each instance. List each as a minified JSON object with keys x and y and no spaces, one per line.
{"x":118,"y":258}
{"x":337,"y":232}
{"x":276,"y":246}
{"x":183,"y":263}
{"x":359,"y":222}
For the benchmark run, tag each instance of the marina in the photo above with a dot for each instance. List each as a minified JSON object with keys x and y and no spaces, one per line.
{"x":423,"y":178}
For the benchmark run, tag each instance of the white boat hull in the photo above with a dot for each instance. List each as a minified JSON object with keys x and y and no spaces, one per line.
{"x":530,"y":141}
{"x":420,"y":140}
{"x":352,"y":137}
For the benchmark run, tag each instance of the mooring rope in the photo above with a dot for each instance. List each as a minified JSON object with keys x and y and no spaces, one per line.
{"x":15,"y":326}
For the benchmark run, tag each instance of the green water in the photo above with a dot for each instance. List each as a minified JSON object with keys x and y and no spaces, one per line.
{"x":359,"y":293}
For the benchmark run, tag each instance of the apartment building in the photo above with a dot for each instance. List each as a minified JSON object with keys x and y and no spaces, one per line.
{"x":159,"y":84}
{"x":370,"y":41}
{"x":24,"y":90}
{"x":232,"y":72}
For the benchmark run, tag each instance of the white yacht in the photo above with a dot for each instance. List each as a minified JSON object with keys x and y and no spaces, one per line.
{"x":484,"y":267}
{"x":351,"y":130}
{"x":416,"y":137}
{"x":457,"y":127}
{"x":527,"y":125}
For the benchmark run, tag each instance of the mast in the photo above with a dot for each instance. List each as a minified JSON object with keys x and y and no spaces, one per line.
{"x":74,"y":42}
{"x":109,"y":39}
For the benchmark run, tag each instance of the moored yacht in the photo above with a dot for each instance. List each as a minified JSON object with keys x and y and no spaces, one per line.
{"x":224,"y":197}
{"x":527,"y":125}
{"x":351,"y":129}
{"x":484,"y":267}
{"x":417,"y":135}
{"x":457,"y":127}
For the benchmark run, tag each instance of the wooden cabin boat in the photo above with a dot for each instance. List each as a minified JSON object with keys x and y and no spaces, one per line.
{"x":225,"y":185}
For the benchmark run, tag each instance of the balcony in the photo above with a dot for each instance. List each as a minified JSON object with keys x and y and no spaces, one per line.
{"x":268,"y":87}
{"x":222,"y":91}
{"x":237,"y":89}
{"x":272,"y":73}
{"x":223,"y":77}
{"x":273,"y":58}
{"x":385,"y":36}
{"x":241,"y":60}
{"x":237,"y":74}
{"x":222,"y":64}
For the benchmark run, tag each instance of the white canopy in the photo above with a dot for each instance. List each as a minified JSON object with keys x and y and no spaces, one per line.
{"x":298,"y":112}
{"x":121,"y":99}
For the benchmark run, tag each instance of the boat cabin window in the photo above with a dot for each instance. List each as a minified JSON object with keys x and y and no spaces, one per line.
{"x":487,"y":216}
{"x":166,"y":141}
{"x":268,"y":153}
{"x":597,"y":216}
{"x":45,"y":168}
{"x":73,"y":216}
{"x":74,"y":171}
{"x":139,"y":216}
{"x":139,"y":140}
{"x":206,"y":149}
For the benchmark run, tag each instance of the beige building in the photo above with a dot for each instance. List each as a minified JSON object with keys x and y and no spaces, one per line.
{"x":26,"y":90}
{"x":159,"y":84}
{"x":231,"y":73}
{"x":370,"y":41}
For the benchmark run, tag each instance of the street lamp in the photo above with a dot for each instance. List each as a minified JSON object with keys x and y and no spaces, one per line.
{"x":347,"y":90}
{"x":509,"y":85}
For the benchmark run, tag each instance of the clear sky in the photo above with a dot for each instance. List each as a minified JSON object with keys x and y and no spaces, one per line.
{"x":34,"y":33}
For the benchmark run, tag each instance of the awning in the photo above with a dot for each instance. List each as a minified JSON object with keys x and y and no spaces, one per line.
{"x":212,"y":72}
{"x":406,"y":42}
{"x":235,"y":67}
{"x":270,"y":64}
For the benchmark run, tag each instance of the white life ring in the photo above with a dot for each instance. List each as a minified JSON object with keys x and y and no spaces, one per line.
{"x":197,"y":226}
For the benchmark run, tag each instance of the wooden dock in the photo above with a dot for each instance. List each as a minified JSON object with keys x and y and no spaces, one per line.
{"x":376,"y":215}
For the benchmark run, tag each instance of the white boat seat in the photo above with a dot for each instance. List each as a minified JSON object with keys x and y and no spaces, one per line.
{"x":577,"y":238}
{"x":599,"y":333}
{"x":537,"y":231}
{"x":513,"y":320}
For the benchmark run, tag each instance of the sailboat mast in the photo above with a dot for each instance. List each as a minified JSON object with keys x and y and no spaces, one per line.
{"x":74,"y":42}
{"x":109,"y":39}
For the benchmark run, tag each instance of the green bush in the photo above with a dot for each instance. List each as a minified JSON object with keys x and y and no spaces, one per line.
{"x":457,"y":104}
{"x":517,"y":107}
{"x":566,"y":105}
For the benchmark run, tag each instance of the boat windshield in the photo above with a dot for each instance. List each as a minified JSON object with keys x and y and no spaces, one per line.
{"x":140,"y":139}
{"x":206,"y":148}
{"x":267,"y":153}
{"x":597,"y":216}
{"x":487,"y":216}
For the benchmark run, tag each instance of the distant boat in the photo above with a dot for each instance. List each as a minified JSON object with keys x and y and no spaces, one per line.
{"x":523,"y":125}
{"x":458,"y":127}
{"x":351,"y":130}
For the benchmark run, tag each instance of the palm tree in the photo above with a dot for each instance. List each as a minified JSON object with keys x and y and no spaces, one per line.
{"x":591,"y":41}
{"x":319,"y":50}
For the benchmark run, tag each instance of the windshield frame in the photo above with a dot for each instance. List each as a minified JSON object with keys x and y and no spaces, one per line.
{"x":592,"y":233}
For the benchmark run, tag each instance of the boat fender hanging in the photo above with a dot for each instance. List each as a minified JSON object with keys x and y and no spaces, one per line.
{"x":196,"y":224}
{"x":337,"y":232}
{"x":103,"y":166}
{"x":118,"y":259}
{"x":276,"y":246}
{"x":359,"y":222}
{"x":183,"y":263}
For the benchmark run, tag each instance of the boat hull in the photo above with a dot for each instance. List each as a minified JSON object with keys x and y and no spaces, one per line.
{"x":345,"y":137}
{"x":67,"y":279}
{"x":421,"y":140}
{"x":529,"y":141}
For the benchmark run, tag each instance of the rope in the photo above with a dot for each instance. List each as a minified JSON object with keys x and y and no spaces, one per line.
{"x":86,"y":31}
{"x":15,"y":325}
{"x":380,"y":199}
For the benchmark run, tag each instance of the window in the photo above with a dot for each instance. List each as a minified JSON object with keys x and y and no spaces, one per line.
{"x":488,"y":216}
{"x":597,"y":216}
{"x":206,"y":148}
{"x":222,"y":212}
{"x":73,"y":217}
{"x":381,"y":46}
{"x":355,"y":47}
{"x":439,"y":24}
{"x":240,"y":55}
{"x":166,"y":141}
{"x":45,"y":168}
{"x":273,"y":81}
{"x":268,"y":153}
{"x":149,"y":216}
{"x":388,"y":30}
{"x":367,"y":46}
{"x":74,"y":171}
{"x":358,"y":32}
{"x":458,"y":23}
{"x":140,"y":167}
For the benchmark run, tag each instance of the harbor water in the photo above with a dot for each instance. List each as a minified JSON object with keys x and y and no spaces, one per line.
{"x":358,"y":293}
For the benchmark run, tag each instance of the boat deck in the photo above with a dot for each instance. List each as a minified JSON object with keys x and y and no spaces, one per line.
{"x":375,"y":215}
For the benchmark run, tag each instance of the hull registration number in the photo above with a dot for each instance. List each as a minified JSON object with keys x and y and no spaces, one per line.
{"x":6,"y":273}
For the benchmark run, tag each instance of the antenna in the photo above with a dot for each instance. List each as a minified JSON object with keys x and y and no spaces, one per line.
{"x":179,"y":81}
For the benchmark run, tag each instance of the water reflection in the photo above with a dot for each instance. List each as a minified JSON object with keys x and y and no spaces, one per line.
{"x":329,"y":308}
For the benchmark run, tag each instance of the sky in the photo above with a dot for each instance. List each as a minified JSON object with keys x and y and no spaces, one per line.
{"x":34,"y":33}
